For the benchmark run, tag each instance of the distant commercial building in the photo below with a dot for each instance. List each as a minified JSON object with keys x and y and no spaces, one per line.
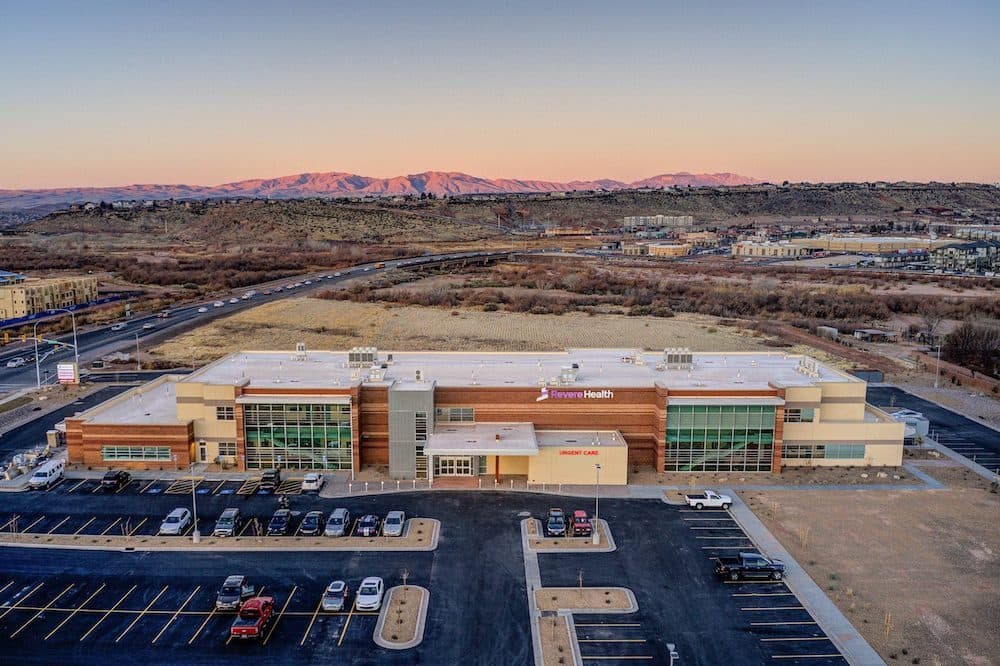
{"x":701,"y":238}
{"x":900,"y":258}
{"x":866,"y":244}
{"x":547,"y":417}
{"x":976,"y":256}
{"x":776,"y":250}
{"x":655,"y":221}
{"x":635,"y":249}
{"x":8,"y":278}
{"x":669,"y":249}
{"x":29,"y":296}
{"x":568,"y":231}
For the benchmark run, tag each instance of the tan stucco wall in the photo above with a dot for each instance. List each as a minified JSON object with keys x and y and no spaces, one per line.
{"x":553,"y":465}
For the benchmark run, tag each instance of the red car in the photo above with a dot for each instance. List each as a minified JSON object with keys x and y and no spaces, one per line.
{"x":254,"y":616}
{"x":582,"y":525}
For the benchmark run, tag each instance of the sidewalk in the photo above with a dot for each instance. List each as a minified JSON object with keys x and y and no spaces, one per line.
{"x":849,"y":642}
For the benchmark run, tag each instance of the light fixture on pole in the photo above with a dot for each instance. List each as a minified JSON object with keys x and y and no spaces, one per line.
{"x":597,"y":505}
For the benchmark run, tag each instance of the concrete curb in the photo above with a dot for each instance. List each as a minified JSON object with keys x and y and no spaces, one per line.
{"x":633,"y":607}
{"x":418,"y":636}
{"x":118,"y":544}
{"x":962,"y":460}
{"x":854,"y":648}
{"x":609,"y":544}
{"x":532,"y":581}
{"x":932,"y":483}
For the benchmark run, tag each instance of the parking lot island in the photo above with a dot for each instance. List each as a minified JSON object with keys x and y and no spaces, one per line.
{"x":580,"y":544}
{"x":586,"y":599}
{"x":401,"y":622}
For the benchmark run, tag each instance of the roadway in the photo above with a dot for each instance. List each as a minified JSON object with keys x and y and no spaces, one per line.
{"x":101,"y":340}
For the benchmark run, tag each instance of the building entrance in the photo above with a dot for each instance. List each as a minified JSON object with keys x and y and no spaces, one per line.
{"x":454,"y":466}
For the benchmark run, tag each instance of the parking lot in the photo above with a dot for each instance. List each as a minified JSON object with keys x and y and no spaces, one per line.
{"x":160,"y":604}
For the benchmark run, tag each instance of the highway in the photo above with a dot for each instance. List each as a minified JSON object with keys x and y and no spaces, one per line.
{"x":101,"y":340}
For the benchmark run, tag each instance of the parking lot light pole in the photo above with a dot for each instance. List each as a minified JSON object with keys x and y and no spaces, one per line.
{"x":195,"y":534}
{"x":597,"y":505}
{"x":937,"y":367}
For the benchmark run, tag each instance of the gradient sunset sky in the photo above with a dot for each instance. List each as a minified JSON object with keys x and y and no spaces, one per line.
{"x":111,"y":93}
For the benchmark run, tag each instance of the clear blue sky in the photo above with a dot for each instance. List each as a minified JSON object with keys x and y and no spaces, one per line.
{"x":109,"y":93}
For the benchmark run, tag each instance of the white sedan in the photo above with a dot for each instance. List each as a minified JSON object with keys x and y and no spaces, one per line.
{"x":202,"y":310}
{"x":312,"y":482}
{"x":369,"y":595}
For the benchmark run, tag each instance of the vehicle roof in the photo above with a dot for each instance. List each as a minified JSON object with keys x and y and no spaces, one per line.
{"x":315,"y":513}
{"x":234,"y":580}
{"x":338,"y":510}
{"x":369,"y":516}
{"x":373,"y":580}
{"x":580,"y":513}
{"x":395,"y":512}
{"x":257,"y":601}
{"x":178,"y":511}
{"x":229,"y":512}
{"x":282,"y":513}
{"x":336,"y":586}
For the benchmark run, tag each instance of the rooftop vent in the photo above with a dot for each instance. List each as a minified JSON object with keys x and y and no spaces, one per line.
{"x":360,"y":357}
{"x":300,"y":351}
{"x":678,"y":357}
{"x":376,"y":373}
{"x":567,"y":374}
{"x":419,"y":375}
{"x":808,"y":367}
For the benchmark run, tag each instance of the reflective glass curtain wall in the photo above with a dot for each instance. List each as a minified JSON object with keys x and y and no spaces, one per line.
{"x":298,"y":436}
{"x":719,"y":438}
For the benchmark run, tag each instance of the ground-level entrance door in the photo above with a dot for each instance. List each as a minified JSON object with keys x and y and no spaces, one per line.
{"x":454,"y":466}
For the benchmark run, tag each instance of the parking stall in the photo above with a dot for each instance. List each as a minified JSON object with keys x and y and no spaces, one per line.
{"x":609,"y":639}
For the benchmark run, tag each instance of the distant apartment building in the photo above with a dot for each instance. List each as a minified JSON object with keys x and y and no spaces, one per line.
{"x":669,"y":249}
{"x":978,"y":233}
{"x":655,"y":221}
{"x":28,"y":296}
{"x":900,"y":258}
{"x":568,"y":231}
{"x":867,"y":244}
{"x":975,"y":256}
{"x":770,"y":250}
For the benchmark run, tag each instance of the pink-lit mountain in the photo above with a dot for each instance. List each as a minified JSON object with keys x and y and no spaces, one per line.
{"x":335,"y":184}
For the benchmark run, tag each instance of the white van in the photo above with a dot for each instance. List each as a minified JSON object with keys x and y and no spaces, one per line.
{"x":47,"y":474}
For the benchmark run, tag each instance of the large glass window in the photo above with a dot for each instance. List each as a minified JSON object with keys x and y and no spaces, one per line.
{"x":298,"y":436}
{"x":139,"y":453}
{"x":719,"y":438}
{"x":795,"y":415}
{"x":455,"y":414}
{"x":828,"y":451}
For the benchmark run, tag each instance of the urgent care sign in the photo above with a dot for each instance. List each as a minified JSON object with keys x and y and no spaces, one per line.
{"x":578,"y":452}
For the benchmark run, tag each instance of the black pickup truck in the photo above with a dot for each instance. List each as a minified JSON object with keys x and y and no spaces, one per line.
{"x":748,"y":566}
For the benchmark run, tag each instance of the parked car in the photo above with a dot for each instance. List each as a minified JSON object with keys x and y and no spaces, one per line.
{"x":368,"y":525}
{"x":710,"y":499}
{"x":335,"y":596}
{"x":279,"y":523}
{"x":47,"y":475}
{"x":582,"y":525}
{"x":269,"y":481}
{"x":235,"y":590}
{"x":339,"y":523}
{"x":120,"y":326}
{"x":369,"y":596}
{"x":749,"y":565}
{"x":228,"y":523}
{"x":555,"y":523}
{"x":312,"y":524}
{"x":115,"y":480}
{"x":393,"y":525}
{"x":253,"y":618}
{"x":176,"y":522}
{"x":312,"y":482}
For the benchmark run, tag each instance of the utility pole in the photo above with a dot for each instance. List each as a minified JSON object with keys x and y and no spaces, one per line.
{"x":597,"y":505}
{"x":937,"y":369}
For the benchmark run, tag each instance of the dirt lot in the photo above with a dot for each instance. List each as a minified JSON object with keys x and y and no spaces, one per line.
{"x":915,"y":571}
{"x":342,"y":324}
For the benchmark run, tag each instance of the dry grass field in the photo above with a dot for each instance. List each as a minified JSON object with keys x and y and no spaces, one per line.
{"x":342,"y":324}
{"x":914,"y":571}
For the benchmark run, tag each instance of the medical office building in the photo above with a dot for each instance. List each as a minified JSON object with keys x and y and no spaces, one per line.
{"x":547,"y":417}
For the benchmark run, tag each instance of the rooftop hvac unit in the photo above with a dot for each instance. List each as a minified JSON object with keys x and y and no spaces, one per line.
{"x":419,"y":375}
{"x":376,"y":373}
{"x":300,"y":351}
{"x":567,"y":374}
{"x":360,"y":357}
{"x":678,"y":357}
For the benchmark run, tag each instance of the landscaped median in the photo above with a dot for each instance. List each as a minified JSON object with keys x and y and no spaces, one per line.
{"x":420,"y":534}
{"x":556,"y":606}
{"x":544,"y":544}
{"x":401,"y":622}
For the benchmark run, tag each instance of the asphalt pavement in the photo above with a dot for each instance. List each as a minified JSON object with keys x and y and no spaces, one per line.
{"x":975,"y":441}
{"x":477,"y":613}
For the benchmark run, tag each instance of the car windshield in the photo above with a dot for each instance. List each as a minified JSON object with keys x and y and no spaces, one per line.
{"x":230,"y":590}
{"x":225,"y":520}
{"x":173,"y":519}
{"x":393,"y":521}
{"x":368,"y":589}
{"x":337,"y":521}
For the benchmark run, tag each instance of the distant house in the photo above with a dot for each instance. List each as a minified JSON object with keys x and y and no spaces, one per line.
{"x":875,"y":335}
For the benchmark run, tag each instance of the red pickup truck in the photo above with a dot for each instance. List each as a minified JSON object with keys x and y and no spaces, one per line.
{"x":253,"y":618}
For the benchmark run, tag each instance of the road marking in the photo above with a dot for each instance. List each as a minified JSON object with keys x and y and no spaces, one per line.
{"x":197,"y":633}
{"x":17,"y":603}
{"x":139,"y":616}
{"x":601,"y":624}
{"x":136,"y":528}
{"x":84,"y":526}
{"x":216,"y":489}
{"x":611,"y":640}
{"x":776,"y":608}
{"x":754,"y":582}
{"x":311,"y":622}
{"x":707,"y":520}
{"x":189,"y":529}
{"x":56,"y":484}
{"x":45,"y":608}
{"x":10,"y":522}
{"x":146,"y":487}
{"x":108,"y":528}
{"x":343,"y":630}
{"x":804,"y":638}
{"x":96,"y":488}
{"x":702,"y":511}
{"x":629,"y":657}
{"x":723,"y":537}
{"x":778,"y":624}
{"x":4,"y":588}
{"x":806,"y":656}
{"x":59,"y":525}
{"x":716,"y":528}
{"x":764,"y":594}
{"x":77,"y":485}
{"x":246,"y":526}
{"x":274,"y":625}
{"x":746,"y":548}
{"x":125,"y":486}
{"x":174,"y":616}
{"x":37,"y":520}
{"x":75,"y":611}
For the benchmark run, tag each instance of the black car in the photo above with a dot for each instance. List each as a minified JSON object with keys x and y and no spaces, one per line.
{"x":269,"y":481}
{"x":749,"y":565}
{"x":115,"y":480}
{"x":280,"y":522}
{"x":368,"y":526}
{"x":555,"y":523}
{"x":312,"y":524}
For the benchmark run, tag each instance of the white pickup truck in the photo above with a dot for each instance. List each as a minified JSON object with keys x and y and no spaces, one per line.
{"x":710,"y":499}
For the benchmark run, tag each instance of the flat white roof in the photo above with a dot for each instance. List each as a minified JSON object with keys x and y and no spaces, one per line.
{"x":580,"y":438}
{"x":483,"y":439}
{"x":597,"y":368}
{"x":153,"y":403}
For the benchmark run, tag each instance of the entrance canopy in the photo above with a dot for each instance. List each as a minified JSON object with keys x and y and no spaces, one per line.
{"x":482,"y":439}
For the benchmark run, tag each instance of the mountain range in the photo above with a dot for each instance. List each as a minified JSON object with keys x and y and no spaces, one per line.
{"x":337,"y":184}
